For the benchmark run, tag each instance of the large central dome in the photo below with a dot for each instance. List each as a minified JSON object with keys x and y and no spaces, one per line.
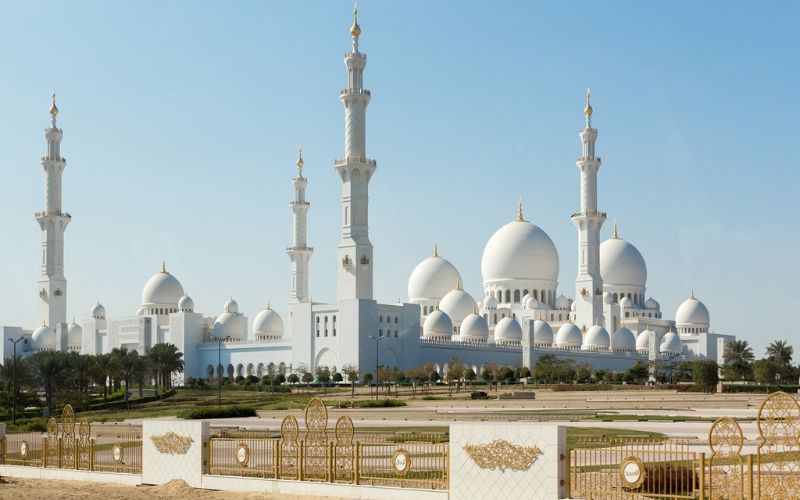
{"x":621,"y":264}
{"x":519,"y":250}
{"x":163,"y":289}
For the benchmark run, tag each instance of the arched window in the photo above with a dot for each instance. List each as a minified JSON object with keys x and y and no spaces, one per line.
{"x":508,"y":296}
{"x":495,"y":318}
{"x":524,"y":293}
{"x":516,"y":296}
{"x":543,"y":295}
{"x":536,"y":294}
{"x":395,"y":320}
{"x":627,"y":314}
{"x":380,"y":332}
{"x":380,"y":319}
{"x":560,"y":317}
{"x":616,"y":298}
{"x":499,"y":296}
{"x":552,"y":316}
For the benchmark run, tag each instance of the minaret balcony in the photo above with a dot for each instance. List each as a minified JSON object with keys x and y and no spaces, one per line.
{"x":295,"y":203}
{"x":354,"y":160}
{"x":589,"y":214}
{"x":57,"y":213}
{"x":355,"y":92}
{"x":303,"y":248}
{"x":586,"y":158}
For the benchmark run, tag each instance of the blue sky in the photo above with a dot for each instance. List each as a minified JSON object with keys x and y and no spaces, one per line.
{"x":182,"y":119}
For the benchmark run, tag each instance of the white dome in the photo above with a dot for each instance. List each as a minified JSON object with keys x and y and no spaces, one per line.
{"x":623,"y":340}
{"x":432,"y":279}
{"x":229,"y":325}
{"x":530,"y":303}
{"x":437,"y":324}
{"x":542,"y":332}
{"x":186,"y":304}
{"x":231,"y":306}
{"x":268,"y":322}
{"x":607,"y":298}
{"x":596,"y":338}
{"x":141,"y":311}
{"x":563,"y":302}
{"x":507,"y":329}
{"x":98,"y":311}
{"x":643,"y":340}
{"x":474,"y":327}
{"x":74,"y":334}
{"x":573,"y":307}
{"x":652,"y":303}
{"x":458,"y":304}
{"x":519,"y":251}
{"x":44,"y":338}
{"x":671,"y":344}
{"x":163,"y":289}
{"x":569,"y":336}
{"x":625,"y":302}
{"x":621,"y":264}
{"x":489,"y":302}
{"x":692,"y":312}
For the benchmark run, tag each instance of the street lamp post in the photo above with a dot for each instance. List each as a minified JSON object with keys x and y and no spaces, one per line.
{"x":14,"y":382}
{"x":219,"y":371}
{"x":377,"y":341}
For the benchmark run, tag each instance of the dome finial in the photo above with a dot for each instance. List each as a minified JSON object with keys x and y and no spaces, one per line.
{"x":54,"y":109}
{"x":459,"y":286}
{"x":519,"y":210}
{"x":588,"y":109}
{"x":269,"y":306}
{"x":435,"y":248}
{"x":163,"y":266}
{"x":616,"y":234}
{"x":355,"y":29}
{"x":299,"y":162}
{"x":691,"y":296}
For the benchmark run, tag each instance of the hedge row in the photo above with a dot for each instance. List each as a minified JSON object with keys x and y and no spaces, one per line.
{"x":218,"y":412}
{"x":762,"y":389}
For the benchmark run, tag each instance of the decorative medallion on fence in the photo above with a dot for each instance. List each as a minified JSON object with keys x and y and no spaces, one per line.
{"x":118,"y":453}
{"x":315,"y":446}
{"x":401,"y":462}
{"x":171,"y":443}
{"x":289,"y":449}
{"x":242,"y":454}
{"x":725,"y":466}
{"x":632,"y":473}
{"x":779,"y":428}
{"x":344,"y":449}
{"x":500,"y":454}
{"x":23,"y":449}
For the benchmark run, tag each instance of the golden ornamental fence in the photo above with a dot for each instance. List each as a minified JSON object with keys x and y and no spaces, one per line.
{"x":65,"y":448}
{"x":613,"y":468}
{"x":338,"y":455}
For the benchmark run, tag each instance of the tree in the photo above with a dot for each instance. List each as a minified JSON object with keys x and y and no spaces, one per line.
{"x":293,"y":378}
{"x":338,"y":377}
{"x":103,"y":365}
{"x":25,"y":378}
{"x":126,"y":362}
{"x":165,"y":359}
{"x":455,"y":372}
{"x":738,"y":358}
{"x":323,"y":377}
{"x":780,"y":353}
{"x":764,"y":371}
{"x":545,"y":368}
{"x":48,"y":367}
{"x":705,"y":374}
{"x":638,"y":373}
{"x":352,"y":376}
{"x":583,"y":372}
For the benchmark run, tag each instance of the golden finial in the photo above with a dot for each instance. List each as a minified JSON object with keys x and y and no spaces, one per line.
{"x":691,"y":296}
{"x":588,"y":109}
{"x":299,"y":157}
{"x":53,"y":107}
{"x":355,"y":29}
{"x":616,"y":234}
{"x":163,"y":266}
{"x":435,"y":248}
{"x":519,"y":211}
{"x":459,"y":286}
{"x":268,"y":305}
{"x":475,"y":309}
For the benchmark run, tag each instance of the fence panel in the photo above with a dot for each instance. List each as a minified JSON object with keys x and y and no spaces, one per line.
{"x":24,"y":448}
{"x":409,"y":465}
{"x":248,"y":457}
{"x":119,"y":451}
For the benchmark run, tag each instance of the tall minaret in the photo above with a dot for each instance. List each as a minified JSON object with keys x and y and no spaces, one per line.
{"x":299,"y":253}
{"x":52,"y":303}
{"x":588,"y":284}
{"x":355,"y":171}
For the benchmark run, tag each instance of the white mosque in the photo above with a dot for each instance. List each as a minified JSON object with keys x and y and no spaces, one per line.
{"x":610,"y":323}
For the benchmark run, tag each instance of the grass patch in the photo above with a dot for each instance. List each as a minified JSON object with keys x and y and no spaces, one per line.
{"x":380,"y":403}
{"x":580,"y":435}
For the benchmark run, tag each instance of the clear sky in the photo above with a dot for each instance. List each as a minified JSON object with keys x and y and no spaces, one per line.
{"x":182,"y":119}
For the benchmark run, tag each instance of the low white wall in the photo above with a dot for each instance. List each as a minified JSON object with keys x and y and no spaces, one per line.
{"x":70,"y":475}
{"x":172,"y":462}
{"x":541,"y":479}
{"x":247,"y":484}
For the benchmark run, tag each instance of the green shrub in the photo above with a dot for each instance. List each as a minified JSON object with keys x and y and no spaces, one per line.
{"x":32,"y":425}
{"x":380,"y":403}
{"x":218,"y":412}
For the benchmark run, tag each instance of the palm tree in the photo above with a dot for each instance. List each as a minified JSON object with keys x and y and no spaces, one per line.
{"x":103,"y":367}
{"x":79,"y":371}
{"x":738,"y":357}
{"x":780,"y":353}
{"x":24,"y":378}
{"x":49,"y":370}
{"x":165,"y":359}
{"x":126,"y":361}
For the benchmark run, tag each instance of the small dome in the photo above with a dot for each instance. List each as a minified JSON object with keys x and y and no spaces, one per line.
{"x":142,"y":311}
{"x":229,"y":325}
{"x":569,"y":336}
{"x":652,"y":303}
{"x":507,"y":329}
{"x":542,"y":332}
{"x":162,"y":288}
{"x":231,"y":306}
{"x":268,"y":323}
{"x":671,"y":344}
{"x":44,"y":338}
{"x":563,"y":302}
{"x":643,"y":340}
{"x":74,"y":334}
{"x":474,"y":327}
{"x":98,"y":311}
{"x":623,"y":340}
{"x":573,"y":307}
{"x":437,"y":324}
{"x":186,"y":304}
{"x":530,"y":303}
{"x":625,"y":302}
{"x":621,"y":264}
{"x":489,"y":302}
{"x":692,"y":313}
{"x":607,"y":298}
{"x":519,"y":251}
{"x":432,"y":279}
{"x":596,"y":338}
{"x":458,"y":304}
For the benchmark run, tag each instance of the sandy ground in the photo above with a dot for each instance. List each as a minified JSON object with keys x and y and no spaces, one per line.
{"x":35,"y":489}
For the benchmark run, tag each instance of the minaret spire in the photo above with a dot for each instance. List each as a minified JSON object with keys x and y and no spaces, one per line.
{"x":299,"y":253}
{"x":355,"y":29}
{"x":588,"y":221}
{"x":52,"y":284}
{"x":435,"y":248}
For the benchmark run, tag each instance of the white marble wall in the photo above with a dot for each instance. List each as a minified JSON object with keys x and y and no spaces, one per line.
{"x":542,"y":480}
{"x":160,"y":468}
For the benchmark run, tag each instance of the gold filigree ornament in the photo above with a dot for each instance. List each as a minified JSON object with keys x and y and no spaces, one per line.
{"x":243,"y":454}
{"x":401,"y":462}
{"x":171,"y":443}
{"x":632,"y":473}
{"x":118,"y":453}
{"x":23,"y":450}
{"x":500,"y":454}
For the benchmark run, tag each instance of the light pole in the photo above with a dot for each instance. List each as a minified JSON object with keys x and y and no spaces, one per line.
{"x":219,"y":371}
{"x":377,"y":341}
{"x":14,"y":382}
